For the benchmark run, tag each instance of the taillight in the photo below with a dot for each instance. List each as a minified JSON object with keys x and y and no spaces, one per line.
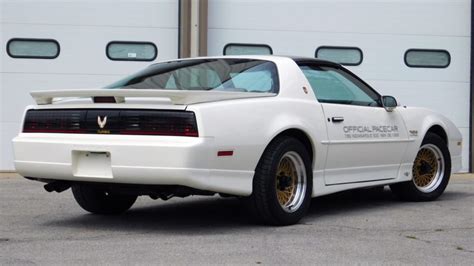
{"x":170,"y":123}
{"x":54,"y":121}
{"x":112,"y":121}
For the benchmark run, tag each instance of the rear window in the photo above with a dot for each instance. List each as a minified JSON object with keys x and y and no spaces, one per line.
{"x":241,"y":75}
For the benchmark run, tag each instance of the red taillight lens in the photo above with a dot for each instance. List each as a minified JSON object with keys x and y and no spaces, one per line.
{"x":54,"y":121}
{"x":170,"y":123}
{"x":112,"y":121}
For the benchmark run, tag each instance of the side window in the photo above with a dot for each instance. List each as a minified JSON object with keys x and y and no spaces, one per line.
{"x":332,"y":85}
{"x":256,"y":81}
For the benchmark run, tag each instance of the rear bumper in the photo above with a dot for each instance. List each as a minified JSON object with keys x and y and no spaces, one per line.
{"x":153,"y":160}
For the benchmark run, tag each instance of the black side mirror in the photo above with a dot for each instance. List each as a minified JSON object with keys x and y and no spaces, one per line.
{"x":389,"y":103}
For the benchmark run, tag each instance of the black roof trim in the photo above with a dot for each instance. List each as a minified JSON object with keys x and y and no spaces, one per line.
{"x":302,"y":60}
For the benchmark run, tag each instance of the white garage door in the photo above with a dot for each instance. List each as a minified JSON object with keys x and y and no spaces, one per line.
{"x":400,"y":47}
{"x":75,"y":44}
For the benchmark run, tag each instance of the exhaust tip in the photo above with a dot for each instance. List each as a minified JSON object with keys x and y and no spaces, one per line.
{"x":57,"y":186}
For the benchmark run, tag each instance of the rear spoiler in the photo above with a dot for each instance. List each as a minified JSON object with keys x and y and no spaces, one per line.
{"x":178,"y":97}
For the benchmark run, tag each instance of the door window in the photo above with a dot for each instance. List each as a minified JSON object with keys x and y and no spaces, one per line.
{"x":332,"y":85}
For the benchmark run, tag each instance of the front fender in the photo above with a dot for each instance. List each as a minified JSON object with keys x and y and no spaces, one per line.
{"x":421,"y":120}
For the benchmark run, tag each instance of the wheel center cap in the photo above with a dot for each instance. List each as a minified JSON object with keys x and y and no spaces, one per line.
{"x":425,"y":167}
{"x":284,"y":181}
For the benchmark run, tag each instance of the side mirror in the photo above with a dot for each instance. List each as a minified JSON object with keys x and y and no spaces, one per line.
{"x":389,"y":103}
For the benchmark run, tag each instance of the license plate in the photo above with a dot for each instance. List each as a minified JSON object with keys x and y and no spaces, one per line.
{"x":92,"y":164}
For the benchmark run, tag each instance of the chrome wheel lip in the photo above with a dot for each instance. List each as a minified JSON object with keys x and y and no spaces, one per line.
{"x":299,"y":195}
{"x":434,"y":184}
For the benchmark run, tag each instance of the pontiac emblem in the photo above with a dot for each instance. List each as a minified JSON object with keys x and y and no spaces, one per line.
{"x":101,"y":122}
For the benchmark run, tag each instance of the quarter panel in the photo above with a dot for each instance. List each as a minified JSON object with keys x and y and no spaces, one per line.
{"x":247,"y":126}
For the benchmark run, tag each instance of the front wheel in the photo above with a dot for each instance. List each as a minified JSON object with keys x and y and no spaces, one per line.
{"x":431,"y":171}
{"x":99,"y":201}
{"x":282,"y":183}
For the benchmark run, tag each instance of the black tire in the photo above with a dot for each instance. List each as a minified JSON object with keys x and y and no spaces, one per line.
{"x":98,"y":201}
{"x":264,"y":203}
{"x":410,"y":191}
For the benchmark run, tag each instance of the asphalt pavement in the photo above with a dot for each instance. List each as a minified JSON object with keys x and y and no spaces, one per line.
{"x":355,"y":227}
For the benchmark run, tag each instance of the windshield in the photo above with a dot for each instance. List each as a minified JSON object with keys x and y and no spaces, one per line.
{"x":242,"y":75}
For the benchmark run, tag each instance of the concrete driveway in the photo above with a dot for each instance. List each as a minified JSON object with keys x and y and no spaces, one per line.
{"x":364,"y":226}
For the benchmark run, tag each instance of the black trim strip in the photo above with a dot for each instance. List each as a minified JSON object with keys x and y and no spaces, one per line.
{"x":357,"y":182}
{"x":426,"y":50}
{"x":342,"y":48}
{"x":130,"y":59}
{"x":32,"y":40}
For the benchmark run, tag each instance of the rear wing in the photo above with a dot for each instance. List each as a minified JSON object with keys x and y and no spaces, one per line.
{"x":177,"y":97}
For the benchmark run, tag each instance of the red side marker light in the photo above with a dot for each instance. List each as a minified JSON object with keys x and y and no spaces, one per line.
{"x":225,"y":153}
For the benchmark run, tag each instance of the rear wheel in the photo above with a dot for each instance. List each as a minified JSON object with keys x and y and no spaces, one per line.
{"x":282,"y":183}
{"x":99,"y":201}
{"x":431,"y":171}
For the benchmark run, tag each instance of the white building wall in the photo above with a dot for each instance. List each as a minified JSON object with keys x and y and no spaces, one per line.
{"x":383,"y":29}
{"x":83,"y":29}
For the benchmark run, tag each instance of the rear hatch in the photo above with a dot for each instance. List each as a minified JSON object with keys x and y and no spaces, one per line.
{"x":124,"y":111}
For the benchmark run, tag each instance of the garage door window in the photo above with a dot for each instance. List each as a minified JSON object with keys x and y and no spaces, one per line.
{"x":33,"y":48}
{"x":247,"y":49}
{"x":427,"y":58}
{"x":350,"y":56}
{"x":131,"y":51}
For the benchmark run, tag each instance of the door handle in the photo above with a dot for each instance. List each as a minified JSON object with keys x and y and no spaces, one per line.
{"x":337,"y":119}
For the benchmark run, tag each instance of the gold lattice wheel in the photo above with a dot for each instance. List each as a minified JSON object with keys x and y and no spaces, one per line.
{"x":428,"y":168}
{"x":290,"y":182}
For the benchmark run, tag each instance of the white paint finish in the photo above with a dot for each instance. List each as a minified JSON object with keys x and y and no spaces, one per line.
{"x":448,"y":98}
{"x":343,"y":164}
{"x":193,"y":161}
{"x":177,"y":97}
{"x":404,"y":17}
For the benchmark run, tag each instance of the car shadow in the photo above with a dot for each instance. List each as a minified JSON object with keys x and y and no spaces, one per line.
{"x":214,"y":215}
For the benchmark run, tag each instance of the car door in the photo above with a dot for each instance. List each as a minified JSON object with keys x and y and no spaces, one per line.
{"x":365,"y":142}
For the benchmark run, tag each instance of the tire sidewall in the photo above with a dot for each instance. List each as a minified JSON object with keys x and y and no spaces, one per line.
{"x":442,"y":146}
{"x":279,"y":213}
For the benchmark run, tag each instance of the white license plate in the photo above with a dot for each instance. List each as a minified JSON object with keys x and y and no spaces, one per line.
{"x":91,"y":164}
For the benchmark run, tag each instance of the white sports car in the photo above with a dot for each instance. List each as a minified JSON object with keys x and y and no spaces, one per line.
{"x":272,"y":130}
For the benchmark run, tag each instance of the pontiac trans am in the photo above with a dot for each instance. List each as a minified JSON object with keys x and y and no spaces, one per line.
{"x":273,"y":131}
